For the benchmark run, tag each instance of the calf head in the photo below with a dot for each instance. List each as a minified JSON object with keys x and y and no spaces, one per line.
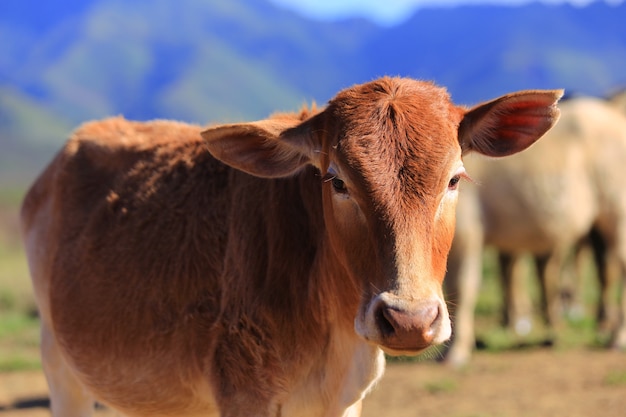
{"x":389,"y":156}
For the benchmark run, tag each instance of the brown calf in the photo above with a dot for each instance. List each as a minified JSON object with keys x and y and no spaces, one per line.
{"x":267,"y":275}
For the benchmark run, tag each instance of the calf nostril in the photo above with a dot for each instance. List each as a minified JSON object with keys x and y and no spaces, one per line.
{"x":383,"y":321}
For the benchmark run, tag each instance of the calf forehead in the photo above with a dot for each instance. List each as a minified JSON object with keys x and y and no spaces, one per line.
{"x":400,"y":135}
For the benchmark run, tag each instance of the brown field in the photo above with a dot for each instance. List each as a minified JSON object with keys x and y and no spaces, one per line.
{"x":528,"y":383}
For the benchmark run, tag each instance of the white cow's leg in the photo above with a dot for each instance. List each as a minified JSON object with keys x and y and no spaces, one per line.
{"x":549,"y":268}
{"x":619,"y":337}
{"x":517,"y":309}
{"x":609,"y":267}
{"x":68,"y":398}
{"x":610,"y":271}
{"x":462,"y":285}
{"x":572,"y":282}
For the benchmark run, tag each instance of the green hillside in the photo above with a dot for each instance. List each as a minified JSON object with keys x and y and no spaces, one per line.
{"x":480,"y":51}
{"x":222,"y":60}
{"x":28,"y":132}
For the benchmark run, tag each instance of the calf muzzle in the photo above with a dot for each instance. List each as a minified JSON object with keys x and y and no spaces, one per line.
{"x":403,"y":326}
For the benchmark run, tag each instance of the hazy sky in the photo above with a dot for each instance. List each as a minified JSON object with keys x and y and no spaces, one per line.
{"x":389,"y":12}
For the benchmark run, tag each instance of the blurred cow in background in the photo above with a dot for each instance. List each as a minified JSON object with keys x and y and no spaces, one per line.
{"x":618,"y":100}
{"x":565,"y":190}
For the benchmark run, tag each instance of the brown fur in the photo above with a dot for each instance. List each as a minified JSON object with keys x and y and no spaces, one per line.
{"x":171,"y":284}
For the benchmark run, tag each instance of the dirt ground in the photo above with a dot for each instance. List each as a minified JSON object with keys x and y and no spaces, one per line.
{"x":529,"y":383}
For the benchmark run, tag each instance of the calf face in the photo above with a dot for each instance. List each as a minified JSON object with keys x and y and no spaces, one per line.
{"x":389,"y":156}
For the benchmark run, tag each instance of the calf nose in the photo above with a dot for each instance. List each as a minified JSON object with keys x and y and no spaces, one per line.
{"x":409,"y":329}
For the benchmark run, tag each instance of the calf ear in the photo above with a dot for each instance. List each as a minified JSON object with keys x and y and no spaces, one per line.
{"x":509,"y":124}
{"x":269,"y":148}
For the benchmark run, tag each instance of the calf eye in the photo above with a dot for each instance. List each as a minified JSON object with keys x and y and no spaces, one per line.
{"x":458,"y":175}
{"x":339,"y":185}
{"x":454,"y":182}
